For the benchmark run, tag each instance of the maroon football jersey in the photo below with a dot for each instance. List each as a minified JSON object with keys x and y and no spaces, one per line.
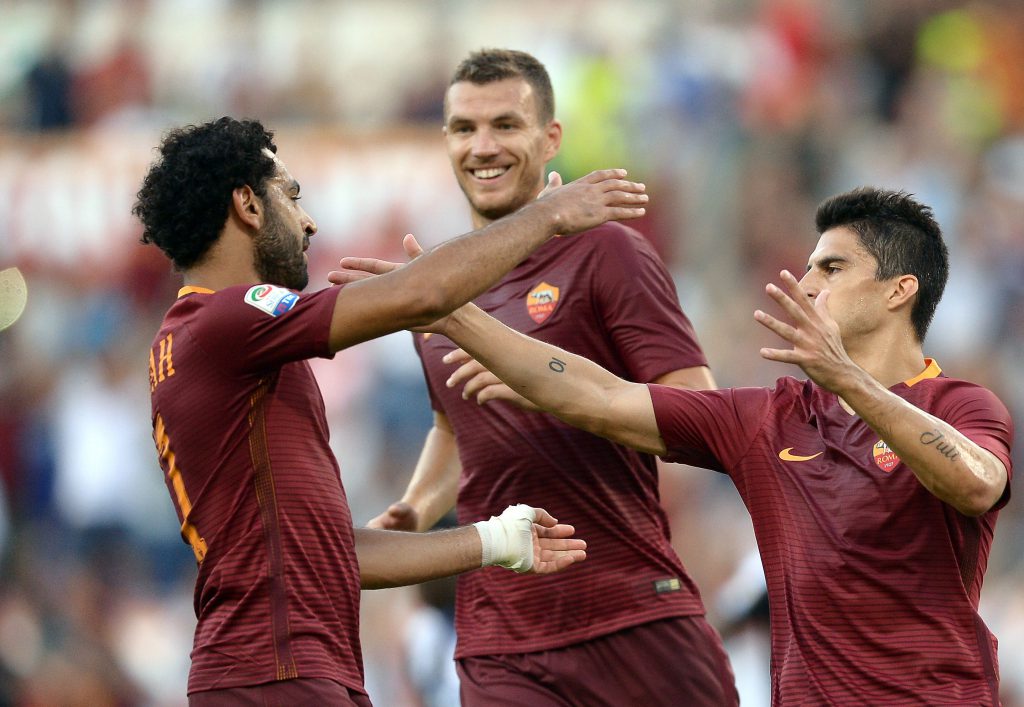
{"x":605,"y":295}
{"x":242,"y":438}
{"x":873,"y":582}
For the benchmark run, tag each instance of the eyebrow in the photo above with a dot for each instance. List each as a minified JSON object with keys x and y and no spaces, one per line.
{"x":513,"y":117}
{"x":827,"y":260}
{"x":293,"y":186}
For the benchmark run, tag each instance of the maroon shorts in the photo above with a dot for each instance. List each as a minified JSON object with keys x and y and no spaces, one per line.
{"x":300,"y":692}
{"x":671,"y":662}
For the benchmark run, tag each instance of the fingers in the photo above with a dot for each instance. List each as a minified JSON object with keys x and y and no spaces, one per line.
{"x":796,"y":290}
{"x":344,"y":277}
{"x":567,"y":559}
{"x":543,"y":519}
{"x":479,"y":384}
{"x":786,"y":331}
{"x":781,"y":355}
{"x":625,"y":214}
{"x":821,"y":304}
{"x":465,"y":372}
{"x":411,"y":246}
{"x":398,"y":516}
{"x":457,"y":356}
{"x":373,"y":266}
{"x":559,"y":531}
{"x":787,"y":302}
{"x":562,"y":544}
{"x":603,"y":175}
{"x":625,"y":187}
{"x":550,"y":560}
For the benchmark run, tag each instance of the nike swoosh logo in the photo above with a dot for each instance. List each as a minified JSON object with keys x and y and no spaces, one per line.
{"x":787,"y":455}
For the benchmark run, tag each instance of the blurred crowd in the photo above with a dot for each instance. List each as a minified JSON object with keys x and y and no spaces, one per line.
{"x":740,"y":115}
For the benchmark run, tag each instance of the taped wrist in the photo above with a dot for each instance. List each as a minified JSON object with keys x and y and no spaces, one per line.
{"x":507,"y":540}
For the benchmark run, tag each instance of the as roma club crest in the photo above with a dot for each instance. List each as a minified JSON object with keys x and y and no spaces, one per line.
{"x":885,"y":458}
{"x":541,"y":302}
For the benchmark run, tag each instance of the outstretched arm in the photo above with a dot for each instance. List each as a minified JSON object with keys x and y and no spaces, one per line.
{"x":574,"y":389}
{"x":481,"y":385}
{"x":522,"y":538}
{"x":458,"y":270}
{"x":434,"y":485}
{"x":947,"y":463}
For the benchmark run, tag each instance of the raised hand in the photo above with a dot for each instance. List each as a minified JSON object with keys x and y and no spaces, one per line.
{"x":480,"y":383}
{"x":817,"y":344}
{"x":603,"y":195}
{"x":398,"y":516}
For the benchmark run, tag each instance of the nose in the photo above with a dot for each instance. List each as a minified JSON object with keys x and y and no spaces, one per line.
{"x":308,"y":224}
{"x":484,"y":143}
{"x":807,"y":283}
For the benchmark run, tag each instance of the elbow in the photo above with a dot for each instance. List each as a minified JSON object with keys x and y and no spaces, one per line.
{"x":981,"y":500}
{"x":425,"y":305}
{"x":421,"y":306}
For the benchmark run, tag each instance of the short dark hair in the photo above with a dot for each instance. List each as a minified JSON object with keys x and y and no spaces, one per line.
{"x":184,"y":199}
{"x":903,"y":237}
{"x":490,"y":65}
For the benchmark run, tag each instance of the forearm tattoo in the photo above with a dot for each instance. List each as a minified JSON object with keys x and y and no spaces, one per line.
{"x":945,"y":447}
{"x":557,"y":365}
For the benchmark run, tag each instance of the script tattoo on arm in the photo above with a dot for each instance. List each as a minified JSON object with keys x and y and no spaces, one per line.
{"x":945,"y":448}
{"x":557,"y":365}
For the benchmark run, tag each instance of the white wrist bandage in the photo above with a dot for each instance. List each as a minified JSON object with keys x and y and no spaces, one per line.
{"x":507,"y":539}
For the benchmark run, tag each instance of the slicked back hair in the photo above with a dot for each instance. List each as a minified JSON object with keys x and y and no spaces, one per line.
{"x":489,"y":65}
{"x":903,"y":237}
{"x":184,"y":200}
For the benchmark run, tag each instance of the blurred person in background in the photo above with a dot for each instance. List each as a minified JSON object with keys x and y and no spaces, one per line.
{"x":239,"y":421}
{"x":628,"y":625}
{"x":873,"y":487}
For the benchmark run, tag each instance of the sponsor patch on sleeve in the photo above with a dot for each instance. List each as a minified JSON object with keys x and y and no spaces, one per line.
{"x":275,"y":301}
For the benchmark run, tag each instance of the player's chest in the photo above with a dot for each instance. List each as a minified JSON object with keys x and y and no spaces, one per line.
{"x":543,"y":298}
{"x":841,"y":463}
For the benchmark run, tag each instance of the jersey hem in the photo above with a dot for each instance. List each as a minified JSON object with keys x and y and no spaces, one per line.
{"x":229,"y":684}
{"x":566,"y":639}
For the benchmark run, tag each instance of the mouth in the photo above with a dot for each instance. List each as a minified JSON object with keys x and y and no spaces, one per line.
{"x":488,"y":173}
{"x":305,"y":244}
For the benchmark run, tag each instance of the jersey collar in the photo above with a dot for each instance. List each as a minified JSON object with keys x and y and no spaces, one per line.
{"x":190,"y":289}
{"x":931,"y":370}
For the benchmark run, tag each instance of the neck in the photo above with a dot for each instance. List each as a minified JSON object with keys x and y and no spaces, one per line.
{"x":478,"y":220}
{"x":890,"y":361}
{"x":227,"y":263}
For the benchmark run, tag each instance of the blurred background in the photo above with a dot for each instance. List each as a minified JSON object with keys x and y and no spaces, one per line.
{"x":740,"y":115}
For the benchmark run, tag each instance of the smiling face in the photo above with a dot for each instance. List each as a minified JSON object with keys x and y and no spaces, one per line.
{"x":497,"y":145}
{"x":279,"y":246}
{"x":858,"y":302}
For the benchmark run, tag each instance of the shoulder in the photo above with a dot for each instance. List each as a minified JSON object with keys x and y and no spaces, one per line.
{"x":226,"y":312}
{"x":615,"y":248}
{"x":944,"y":393}
{"x":617,"y":236}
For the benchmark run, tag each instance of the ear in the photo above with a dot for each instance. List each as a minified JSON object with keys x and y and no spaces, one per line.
{"x":246,"y":207}
{"x":903,"y":291}
{"x":553,"y":140}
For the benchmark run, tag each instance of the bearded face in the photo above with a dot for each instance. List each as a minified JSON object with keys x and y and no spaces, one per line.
{"x":278,"y":252}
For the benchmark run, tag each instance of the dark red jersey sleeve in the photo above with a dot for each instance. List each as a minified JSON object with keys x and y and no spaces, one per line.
{"x":983,"y":418}
{"x":708,"y":428}
{"x":249,"y":334}
{"x":435,"y":400}
{"x":640,"y":308}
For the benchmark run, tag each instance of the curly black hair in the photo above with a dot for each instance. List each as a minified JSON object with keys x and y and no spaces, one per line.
{"x":184,"y":199}
{"x":903,"y":237}
{"x":489,"y":65}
